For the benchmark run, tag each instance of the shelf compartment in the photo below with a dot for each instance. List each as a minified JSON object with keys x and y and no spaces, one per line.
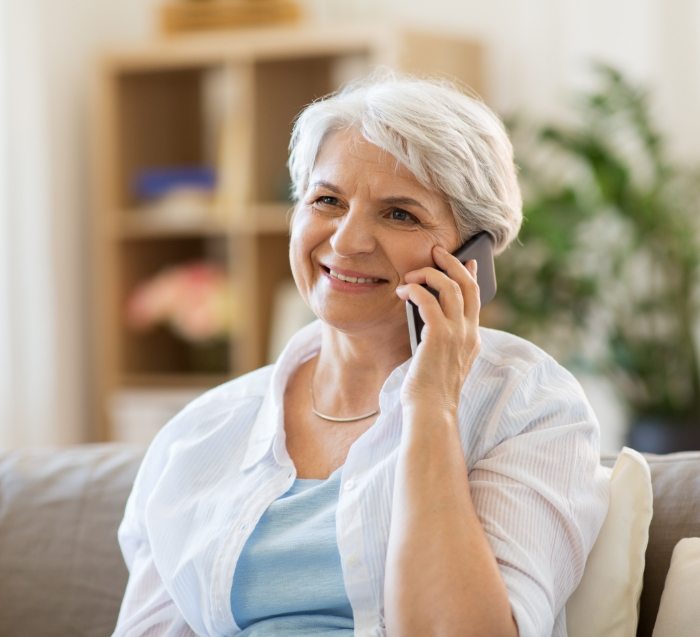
{"x":160,"y":123}
{"x":158,"y":350}
{"x":282,"y":88}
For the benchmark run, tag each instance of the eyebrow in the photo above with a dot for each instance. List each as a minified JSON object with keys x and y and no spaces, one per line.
{"x":404,"y":201}
{"x":326,"y":184}
{"x":392,"y":201}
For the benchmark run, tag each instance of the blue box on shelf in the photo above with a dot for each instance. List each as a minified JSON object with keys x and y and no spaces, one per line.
{"x":153,"y":183}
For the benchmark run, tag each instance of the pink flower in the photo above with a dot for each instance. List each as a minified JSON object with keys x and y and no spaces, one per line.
{"x":193,"y":299}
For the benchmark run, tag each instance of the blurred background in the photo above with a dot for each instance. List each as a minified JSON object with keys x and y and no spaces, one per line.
{"x":143,"y":194}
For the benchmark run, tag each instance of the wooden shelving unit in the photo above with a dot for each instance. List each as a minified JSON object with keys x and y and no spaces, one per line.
{"x":225,"y":100}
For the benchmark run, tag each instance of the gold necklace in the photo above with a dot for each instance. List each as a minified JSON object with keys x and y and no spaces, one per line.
{"x":335,"y":418}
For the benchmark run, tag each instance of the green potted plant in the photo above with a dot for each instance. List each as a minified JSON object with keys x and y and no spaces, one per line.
{"x":608,"y":273}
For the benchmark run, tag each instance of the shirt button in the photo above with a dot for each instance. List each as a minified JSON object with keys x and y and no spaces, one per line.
{"x":244,"y":527}
{"x":349,"y":485}
{"x":353,"y":561}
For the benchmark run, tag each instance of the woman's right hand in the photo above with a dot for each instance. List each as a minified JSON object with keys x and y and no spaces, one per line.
{"x":450,"y":338}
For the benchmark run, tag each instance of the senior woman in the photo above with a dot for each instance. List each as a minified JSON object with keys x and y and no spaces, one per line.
{"x":352,"y":488}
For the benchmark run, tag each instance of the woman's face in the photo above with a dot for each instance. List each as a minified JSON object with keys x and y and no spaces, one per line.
{"x":363,"y":223}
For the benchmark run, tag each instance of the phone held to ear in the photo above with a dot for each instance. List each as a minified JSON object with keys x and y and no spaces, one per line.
{"x":480,"y":248}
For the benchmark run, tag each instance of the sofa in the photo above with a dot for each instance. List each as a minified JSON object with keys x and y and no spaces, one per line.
{"x":61,"y":571}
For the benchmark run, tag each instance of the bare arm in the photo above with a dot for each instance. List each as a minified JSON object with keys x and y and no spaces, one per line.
{"x":441,"y":575}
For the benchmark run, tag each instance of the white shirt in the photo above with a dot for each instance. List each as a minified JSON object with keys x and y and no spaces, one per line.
{"x":530,"y":440}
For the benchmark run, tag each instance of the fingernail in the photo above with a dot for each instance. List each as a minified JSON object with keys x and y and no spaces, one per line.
{"x":473,"y":266}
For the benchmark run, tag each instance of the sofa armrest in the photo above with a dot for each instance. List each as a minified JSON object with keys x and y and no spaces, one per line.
{"x":61,"y":570}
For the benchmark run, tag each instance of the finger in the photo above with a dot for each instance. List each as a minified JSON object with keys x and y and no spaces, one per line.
{"x":464,"y":275}
{"x":450,"y":293}
{"x":451,"y":265}
{"x":428,"y":306}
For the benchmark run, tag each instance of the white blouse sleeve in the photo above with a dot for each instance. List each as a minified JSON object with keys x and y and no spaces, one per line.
{"x":541,"y":493}
{"x":147,"y":608}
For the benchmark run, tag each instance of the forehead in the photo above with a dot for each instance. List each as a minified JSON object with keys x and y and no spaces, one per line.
{"x":346,"y":153}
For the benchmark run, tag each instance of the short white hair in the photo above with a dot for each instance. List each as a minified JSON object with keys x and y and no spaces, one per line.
{"x":451,"y":142}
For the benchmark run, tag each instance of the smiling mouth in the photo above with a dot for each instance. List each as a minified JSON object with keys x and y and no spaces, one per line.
{"x":350,"y":279}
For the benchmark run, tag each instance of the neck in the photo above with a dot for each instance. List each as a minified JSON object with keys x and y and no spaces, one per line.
{"x":351,"y":369}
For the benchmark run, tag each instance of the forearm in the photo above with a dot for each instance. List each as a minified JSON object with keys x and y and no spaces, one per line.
{"x":441,"y":575}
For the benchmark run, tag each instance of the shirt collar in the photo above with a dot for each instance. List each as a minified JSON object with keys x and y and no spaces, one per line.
{"x":268,"y":427}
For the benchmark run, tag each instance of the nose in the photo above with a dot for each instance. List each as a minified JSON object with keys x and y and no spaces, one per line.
{"x":354,"y":234}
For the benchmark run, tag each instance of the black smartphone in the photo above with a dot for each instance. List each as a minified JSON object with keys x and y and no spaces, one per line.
{"x":480,"y":248}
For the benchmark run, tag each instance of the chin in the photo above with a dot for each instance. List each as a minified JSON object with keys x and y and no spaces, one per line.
{"x":358,"y":319}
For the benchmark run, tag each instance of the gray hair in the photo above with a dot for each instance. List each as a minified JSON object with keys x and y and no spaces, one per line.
{"x":451,"y":142}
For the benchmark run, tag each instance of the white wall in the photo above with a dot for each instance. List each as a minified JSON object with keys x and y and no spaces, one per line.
{"x":538,"y":50}
{"x":28,"y":390}
{"x":47,"y":54}
{"x":536,"y":53}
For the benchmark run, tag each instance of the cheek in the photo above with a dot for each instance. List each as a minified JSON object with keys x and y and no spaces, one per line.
{"x":302,"y":241}
{"x":296,"y":260}
{"x":417,"y":252}
{"x":413,"y":257}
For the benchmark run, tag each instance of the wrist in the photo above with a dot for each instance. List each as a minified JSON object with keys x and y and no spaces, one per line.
{"x":426,"y":420}
{"x":438,"y":413}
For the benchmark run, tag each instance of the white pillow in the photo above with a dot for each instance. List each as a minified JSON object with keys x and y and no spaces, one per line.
{"x":606,"y":603}
{"x":679,"y":611}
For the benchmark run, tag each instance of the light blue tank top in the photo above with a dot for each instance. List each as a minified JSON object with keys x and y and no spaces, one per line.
{"x":289,"y":580}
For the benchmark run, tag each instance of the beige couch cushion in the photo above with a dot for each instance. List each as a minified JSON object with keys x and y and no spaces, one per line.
{"x":606,"y":601}
{"x":679,"y":612}
{"x":676,"y":484}
{"x":61,"y":571}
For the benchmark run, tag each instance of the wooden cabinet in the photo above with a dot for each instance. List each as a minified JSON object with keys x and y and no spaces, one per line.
{"x":224,"y":101}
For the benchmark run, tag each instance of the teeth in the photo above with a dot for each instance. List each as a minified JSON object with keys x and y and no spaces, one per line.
{"x":351,"y":279}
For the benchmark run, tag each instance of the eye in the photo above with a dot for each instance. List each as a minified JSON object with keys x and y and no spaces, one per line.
{"x":326,"y":200}
{"x":397,"y":214}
